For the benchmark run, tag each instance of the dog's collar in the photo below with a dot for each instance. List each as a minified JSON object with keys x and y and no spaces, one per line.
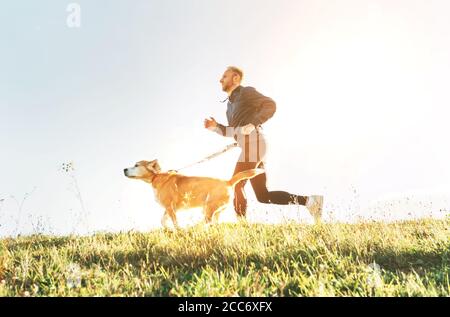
{"x":153,"y":177}
{"x":171,"y":172}
{"x":154,"y":174}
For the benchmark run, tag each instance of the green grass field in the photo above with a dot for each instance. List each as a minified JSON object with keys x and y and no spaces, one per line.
{"x":373,"y":259}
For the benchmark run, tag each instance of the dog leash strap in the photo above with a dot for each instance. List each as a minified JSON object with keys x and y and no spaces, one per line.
{"x":227,"y":148}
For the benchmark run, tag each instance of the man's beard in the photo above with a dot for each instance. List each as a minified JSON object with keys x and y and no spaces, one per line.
{"x":226,"y":88}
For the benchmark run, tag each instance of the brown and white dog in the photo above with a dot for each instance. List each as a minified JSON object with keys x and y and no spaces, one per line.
{"x":176,"y":192}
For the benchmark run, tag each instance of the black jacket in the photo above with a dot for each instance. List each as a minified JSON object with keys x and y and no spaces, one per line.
{"x":246,"y":105}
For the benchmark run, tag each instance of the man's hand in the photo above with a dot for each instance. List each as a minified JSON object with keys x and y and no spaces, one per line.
{"x":210,"y":123}
{"x":247,"y":129}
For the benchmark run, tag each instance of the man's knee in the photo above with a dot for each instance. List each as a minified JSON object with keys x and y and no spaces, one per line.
{"x":263,"y":198}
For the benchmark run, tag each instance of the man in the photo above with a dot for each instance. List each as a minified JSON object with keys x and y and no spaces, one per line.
{"x":247,"y":110}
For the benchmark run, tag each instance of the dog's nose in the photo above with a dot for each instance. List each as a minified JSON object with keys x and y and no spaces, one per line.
{"x":125,"y":171}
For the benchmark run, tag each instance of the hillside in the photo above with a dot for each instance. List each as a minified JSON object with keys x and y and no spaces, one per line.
{"x":369,"y":259}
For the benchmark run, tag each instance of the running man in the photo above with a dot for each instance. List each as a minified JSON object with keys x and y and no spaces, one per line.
{"x":247,"y":110}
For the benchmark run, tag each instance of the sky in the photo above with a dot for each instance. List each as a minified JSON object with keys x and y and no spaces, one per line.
{"x":362,"y":106}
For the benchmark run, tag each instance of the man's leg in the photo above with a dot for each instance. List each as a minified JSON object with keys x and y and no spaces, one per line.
{"x":314,"y":203}
{"x":273,"y":197}
{"x":240,"y":200}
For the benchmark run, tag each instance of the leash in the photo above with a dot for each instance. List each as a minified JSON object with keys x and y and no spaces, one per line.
{"x":227,"y":148}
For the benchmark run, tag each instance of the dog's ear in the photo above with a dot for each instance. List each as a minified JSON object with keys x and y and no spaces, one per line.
{"x":155,"y":166}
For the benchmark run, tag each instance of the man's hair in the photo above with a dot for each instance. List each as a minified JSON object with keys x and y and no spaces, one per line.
{"x":237,"y":71}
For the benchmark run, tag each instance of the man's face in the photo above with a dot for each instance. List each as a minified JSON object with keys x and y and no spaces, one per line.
{"x":227,"y":80}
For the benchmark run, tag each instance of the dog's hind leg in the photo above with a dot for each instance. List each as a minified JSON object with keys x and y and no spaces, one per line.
{"x":217,"y":213}
{"x":212,"y":211}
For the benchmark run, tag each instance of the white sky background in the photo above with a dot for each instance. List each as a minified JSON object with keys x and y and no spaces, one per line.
{"x":361,"y":89}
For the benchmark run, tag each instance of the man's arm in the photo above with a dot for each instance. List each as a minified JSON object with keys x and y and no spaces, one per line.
{"x":212,"y":125}
{"x":263,"y":108}
{"x":226,"y":131}
{"x":265,"y":111}
{"x":223,"y":130}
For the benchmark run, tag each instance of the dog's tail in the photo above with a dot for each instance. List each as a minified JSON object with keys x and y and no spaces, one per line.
{"x":245,"y":175}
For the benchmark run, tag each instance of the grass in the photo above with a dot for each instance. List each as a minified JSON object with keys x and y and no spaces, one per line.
{"x":369,"y":259}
